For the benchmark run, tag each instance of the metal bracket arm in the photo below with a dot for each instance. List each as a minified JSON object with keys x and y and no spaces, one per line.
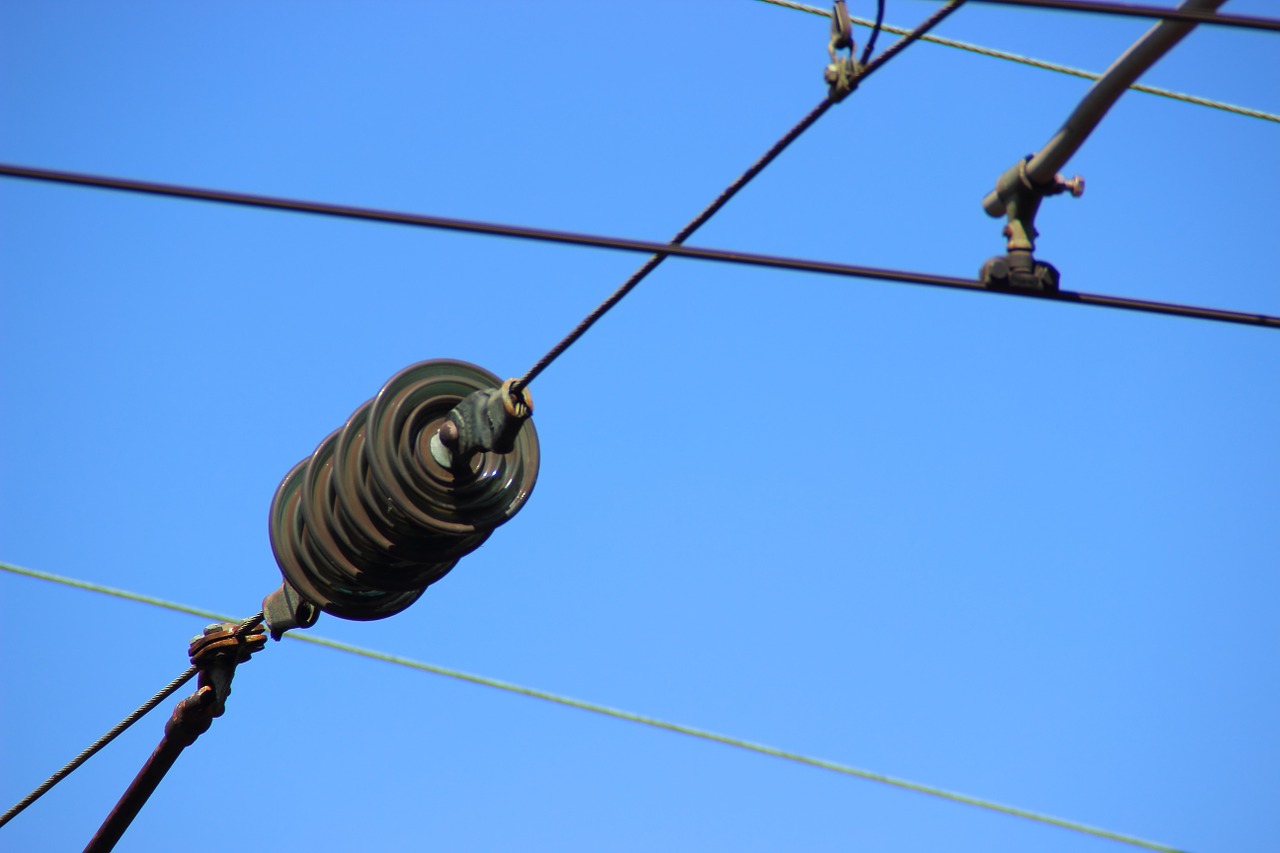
{"x":1021,"y":188}
{"x":1018,"y":196}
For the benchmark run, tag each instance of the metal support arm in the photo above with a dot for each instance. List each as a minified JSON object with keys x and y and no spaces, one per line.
{"x":1019,"y":191}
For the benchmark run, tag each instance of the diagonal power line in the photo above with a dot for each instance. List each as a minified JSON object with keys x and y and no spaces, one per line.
{"x":628,"y":245}
{"x":119,"y":728}
{"x":1040,"y":63}
{"x":93,"y":748}
{"x":729,"y":192}
{"x":604,"y":710}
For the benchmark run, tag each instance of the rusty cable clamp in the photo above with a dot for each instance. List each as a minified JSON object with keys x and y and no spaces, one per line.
{"x":843,"y":71}
{"x":215,"y":653}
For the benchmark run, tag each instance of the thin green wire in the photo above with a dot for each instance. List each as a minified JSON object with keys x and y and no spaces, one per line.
{"x":1039,"y":63}
{"x":616,"y":713}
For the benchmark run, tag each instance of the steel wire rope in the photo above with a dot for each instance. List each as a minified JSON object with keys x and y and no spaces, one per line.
{"x":724,"y":197}
{"x":142,"y":710}
{"x":616,"y":713}
{"x":640,"y":246}
{"x":1038,"y":63}
{"x":1133,"y":10}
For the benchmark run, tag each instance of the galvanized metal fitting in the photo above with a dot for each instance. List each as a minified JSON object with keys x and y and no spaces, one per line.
{"x":286,"y":609}
{"x":843,"y":71}
{"x":1018,"y":197}
{"x":1018,"y":270}
{"x":485,"y":421}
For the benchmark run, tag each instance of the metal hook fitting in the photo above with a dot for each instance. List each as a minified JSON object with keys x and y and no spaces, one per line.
{"x":842,"y":73}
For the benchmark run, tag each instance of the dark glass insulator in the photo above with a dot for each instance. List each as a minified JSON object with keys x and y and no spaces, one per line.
{"x":371,"y":519}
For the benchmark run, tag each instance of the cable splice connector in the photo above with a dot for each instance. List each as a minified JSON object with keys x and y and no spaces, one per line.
{"x":843,"y":71}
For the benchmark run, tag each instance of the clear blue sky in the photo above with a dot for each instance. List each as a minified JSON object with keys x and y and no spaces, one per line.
{"x":1022,"y":550}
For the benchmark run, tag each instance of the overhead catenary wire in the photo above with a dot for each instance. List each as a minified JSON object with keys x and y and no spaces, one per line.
{"x":1039,"y":63}
{"x":616,"y":713}
{"x":141,"y":711}
{"x":630,"y":245}
{"x":1133,"y":10}
{"x":729,"y":192}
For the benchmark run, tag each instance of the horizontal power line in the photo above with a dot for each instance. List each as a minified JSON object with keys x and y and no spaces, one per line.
{"x":1133,"y":10}
{"x":1041,"y":64}
{"x":616,"y":713}
{"x":629,"y":245}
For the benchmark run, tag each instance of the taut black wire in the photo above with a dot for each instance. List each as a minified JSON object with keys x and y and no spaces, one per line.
{"x":721,"y":200}
{"x":660,"y":256}
{"x":647,"y":247}
{"x":1252,"y":22}
{"x":875,"y":31}
{"x":93,"y":748}
{"x":98,"y":744}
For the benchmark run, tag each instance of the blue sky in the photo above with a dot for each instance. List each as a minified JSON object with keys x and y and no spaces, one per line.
{"x":1025,"y":551}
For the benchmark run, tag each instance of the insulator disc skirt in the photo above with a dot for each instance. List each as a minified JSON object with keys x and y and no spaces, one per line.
{"x":366,"y":524}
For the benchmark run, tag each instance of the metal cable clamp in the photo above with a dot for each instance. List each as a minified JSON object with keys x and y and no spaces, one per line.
{"x":215,"y":654}
{"x":843,"y":71}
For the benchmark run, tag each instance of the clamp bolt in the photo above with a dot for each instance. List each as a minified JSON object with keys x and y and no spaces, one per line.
{"x":449,"y":433}
{"x":1075,"y":186}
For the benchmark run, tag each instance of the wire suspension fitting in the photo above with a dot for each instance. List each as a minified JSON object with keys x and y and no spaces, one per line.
{"x":417,"y":478}
{"x":842,"y":72}
{"x":1021,"y":188}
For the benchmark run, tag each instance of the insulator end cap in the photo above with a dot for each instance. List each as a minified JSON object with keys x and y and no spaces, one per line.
{"x":286,"y":609}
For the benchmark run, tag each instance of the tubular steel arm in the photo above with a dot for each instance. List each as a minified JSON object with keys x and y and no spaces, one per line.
{"x":1144,"y":53}
{"x":1019,"y":191}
